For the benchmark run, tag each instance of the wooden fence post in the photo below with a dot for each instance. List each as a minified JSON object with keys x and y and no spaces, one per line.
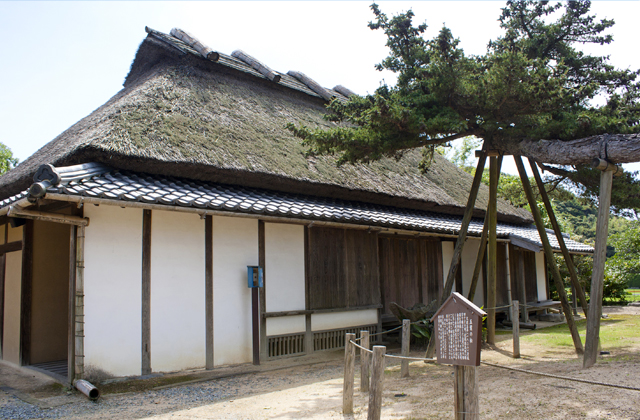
{"x":466,"y":395}
{"x":365,"y":361}
{"x":406,"y":338}
{"x":347,"y":389}
{"x":515,"y":322}
{"x":377,"y":376}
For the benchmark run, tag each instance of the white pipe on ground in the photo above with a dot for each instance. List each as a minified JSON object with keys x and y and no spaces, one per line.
{"x":87,"y":388}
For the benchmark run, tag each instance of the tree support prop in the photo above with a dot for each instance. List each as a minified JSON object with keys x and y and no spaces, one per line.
{"x":493,"y":249}
{"x":597,"y":277}
{"x":556,"y":229}
{"x":549,"y":254}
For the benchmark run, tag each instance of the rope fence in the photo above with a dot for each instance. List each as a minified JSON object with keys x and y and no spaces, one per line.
{"x":372,"y":367}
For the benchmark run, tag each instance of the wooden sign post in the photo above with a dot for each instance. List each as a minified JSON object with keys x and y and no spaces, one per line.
{"x":458,"y":327}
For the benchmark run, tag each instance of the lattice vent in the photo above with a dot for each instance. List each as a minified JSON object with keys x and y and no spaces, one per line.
{"x":286,"y":345}
{"x":334,"y":339}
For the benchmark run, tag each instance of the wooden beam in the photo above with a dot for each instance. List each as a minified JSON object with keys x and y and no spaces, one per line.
{"x":208,"y":290}
{"x":549,"y":254}
{"x":556,"y":229}
{"x":462,"y":236}
{"x":262,"y":262}
{"x":146,"y":293}
{"x":11,"y":247}
{"x":597,"y":276}
{"x":47,"y":217}
{"x":26,"y":294}
{"x":492,"y":251}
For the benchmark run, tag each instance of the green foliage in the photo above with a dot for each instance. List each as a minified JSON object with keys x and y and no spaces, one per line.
{"x":7,"y":161}
{"x":624,"y":267}
{"x":422,"y":331}
{"x":532,"y":83}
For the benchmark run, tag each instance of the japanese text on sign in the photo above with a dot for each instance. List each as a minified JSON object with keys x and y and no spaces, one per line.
{"x":455,"y":334}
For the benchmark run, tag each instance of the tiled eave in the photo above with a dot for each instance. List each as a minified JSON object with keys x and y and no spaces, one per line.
{"x":124,"y":187}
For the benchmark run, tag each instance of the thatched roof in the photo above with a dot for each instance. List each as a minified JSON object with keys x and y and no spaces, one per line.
{"x":181,"y":114}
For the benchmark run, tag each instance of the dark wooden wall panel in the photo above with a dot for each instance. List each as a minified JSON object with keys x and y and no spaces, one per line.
{"x":502,"y":294}
{"x":410,"y":270}
{"x":326,"y":269}
{"x":530,"y":276}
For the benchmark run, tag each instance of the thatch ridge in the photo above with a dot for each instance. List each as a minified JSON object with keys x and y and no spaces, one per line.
{"x":186,"y":116}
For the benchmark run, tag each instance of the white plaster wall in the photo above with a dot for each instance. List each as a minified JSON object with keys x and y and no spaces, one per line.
{"x":177,"y":291}
{"x":284,"y":267}
{"x":468,"y":260}
{"x":540,"y":274}
{"x":335,"y":320}
{"x":286,"y":325}
{"x":112,"y":276}
{"x":447,"y":256}
{"x":235,"y":246}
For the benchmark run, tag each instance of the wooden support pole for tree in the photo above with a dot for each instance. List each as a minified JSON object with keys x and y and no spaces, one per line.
{"x":462,"y":235}
{"x":515,"y":321}
{"x":556,"y":229}
{"x":597,"y":276}
{"x":493,"y":249}
{"x":483,"y":246}
{"x":349,"y":370}
{"x":365,"y":361}
{"x":406,"y":337}
{"x":548,"y":251}
{"x":377,"y":377}
{"x":466,"y":393}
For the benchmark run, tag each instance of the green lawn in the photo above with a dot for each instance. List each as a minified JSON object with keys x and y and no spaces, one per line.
{"x":634,"y":295}
{"x":620,"y":332}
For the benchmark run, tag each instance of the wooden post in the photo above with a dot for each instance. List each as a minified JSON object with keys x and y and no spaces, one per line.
{"x":347,"y":387}
{"x":146,"y":293}
{"x":462,"y":235}
{"x":597,"y":276}
{"x":26,"y":293}
{"x":556,"y":229}
{"x":365,"y":361}
{"x":515,"y":322}
{"x":262,"y":295}
{"x":406,"y":338}
{"x":208,"y":290}
{"x":483,"y":246}
{"x":493,"y":249}
{"x":255,"y":317}
{"x":522,"y":288}
{"x":548,"y":251}
{"x":71,"y":337}
{"x":377,"y":377}
{"x":79,"y":305}
{"x":466,"y":393}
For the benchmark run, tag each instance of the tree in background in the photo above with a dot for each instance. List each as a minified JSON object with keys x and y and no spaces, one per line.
{"x":7,"y":161}
{"x":531,"y":94}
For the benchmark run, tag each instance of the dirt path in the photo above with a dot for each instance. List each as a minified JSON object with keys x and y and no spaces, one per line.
{"x":315,"y":392}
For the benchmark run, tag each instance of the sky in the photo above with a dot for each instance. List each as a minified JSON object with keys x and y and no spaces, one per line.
{"x":61,"y":60}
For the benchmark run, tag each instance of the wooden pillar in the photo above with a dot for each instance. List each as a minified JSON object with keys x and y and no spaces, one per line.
{"x":146,"y":293}
{"x":556,"y":229}
{"x":466,"y":393}
{"x":262,"y":303}
{"x":3,"y":263}
{"x":548,"y":251}
{"x":208,"y":290}
{"x":462,"y":236}
{"x":406,"y":337}
{"x":79,"y":305}
{"x":365,"y":361}
{"x":493,"y":250}
{"x":349,"y":370}
{"x":377,"y":377}
{"x":597,"y":276}
{"x":308,"y":335}
{"x":71,"y":327}
{"x":522,"y":288}
{"x":26,"y":293}
{"x":515,"y":322}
